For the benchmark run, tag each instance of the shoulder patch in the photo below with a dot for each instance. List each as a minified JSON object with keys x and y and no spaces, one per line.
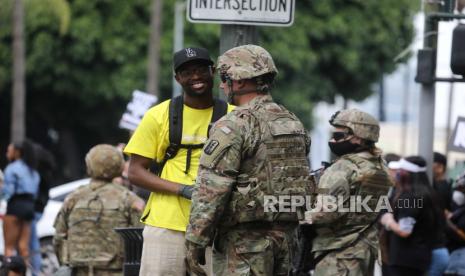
{"x":211,"y":146}
{"x":225,"y":129}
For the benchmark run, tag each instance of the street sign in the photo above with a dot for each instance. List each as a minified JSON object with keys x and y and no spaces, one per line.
{"x":457,"y":140}
{"x":135,"y":110}
{"x":242,"y":12}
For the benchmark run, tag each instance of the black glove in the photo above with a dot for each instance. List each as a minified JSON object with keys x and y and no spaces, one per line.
{"x":186,"y":191}
{"x":195,"y":256}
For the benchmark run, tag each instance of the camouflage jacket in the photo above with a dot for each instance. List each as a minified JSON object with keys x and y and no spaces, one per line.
{"x":242,"y":162}
{"x":84,"y":226}
{"x":352,"y":175}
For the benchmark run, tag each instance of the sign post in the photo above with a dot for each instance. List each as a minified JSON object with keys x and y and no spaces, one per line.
{"x":457,"y":140}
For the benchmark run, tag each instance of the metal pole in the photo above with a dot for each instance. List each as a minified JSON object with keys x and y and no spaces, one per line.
{"x":382,"y":114}
{"x":178,"y":40}
{"x":427,"y":102}
{"x":449,"y":117}
{"x":236,"y":35}
{"x":405,"y":106}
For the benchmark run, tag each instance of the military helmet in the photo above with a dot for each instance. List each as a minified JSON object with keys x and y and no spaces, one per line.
{"x":362,"y":124}
{"x":246,"y":62}
{"x":104,"y":162}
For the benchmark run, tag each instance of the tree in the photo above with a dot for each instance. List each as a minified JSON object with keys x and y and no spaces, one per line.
{"x":79,"y":82}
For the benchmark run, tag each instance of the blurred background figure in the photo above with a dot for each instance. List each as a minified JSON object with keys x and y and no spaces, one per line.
{"x":20,"y":191}
{"x":45,"y":168}
{"x":441,"y":184}
{"x":382,"y":232}
{"x":456,"y":229}
{"x":124,"y":179}
{"x":414,"y":224}
{"x":85,"y":242}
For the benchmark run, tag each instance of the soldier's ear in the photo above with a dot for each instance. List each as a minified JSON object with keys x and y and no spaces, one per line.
{"x":241,"y":83}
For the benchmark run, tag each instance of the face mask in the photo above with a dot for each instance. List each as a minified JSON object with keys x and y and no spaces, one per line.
{"x":341,"y":148}
{"x":458,"y":198}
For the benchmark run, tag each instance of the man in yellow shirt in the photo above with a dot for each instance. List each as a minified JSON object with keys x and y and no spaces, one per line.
{"x":167,"y":211}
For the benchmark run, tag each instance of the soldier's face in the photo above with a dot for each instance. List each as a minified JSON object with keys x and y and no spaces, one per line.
{"x":12,"y":153}
{"x":195,"y":78}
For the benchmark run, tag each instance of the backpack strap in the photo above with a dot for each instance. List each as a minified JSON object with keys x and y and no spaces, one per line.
{"x":176,"y":105}
{"x":220,"y":108}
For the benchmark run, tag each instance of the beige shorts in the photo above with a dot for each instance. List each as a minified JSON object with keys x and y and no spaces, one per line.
{"x":163,"y":253}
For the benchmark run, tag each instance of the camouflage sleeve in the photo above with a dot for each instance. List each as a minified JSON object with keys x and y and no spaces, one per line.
{"x":135,"y":206}
{"x":332,"y":188}
{"x":61,"y":228}
{"x":219,"y":165}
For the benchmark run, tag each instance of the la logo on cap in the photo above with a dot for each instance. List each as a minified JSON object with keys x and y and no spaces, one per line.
{"x":190,"y":52}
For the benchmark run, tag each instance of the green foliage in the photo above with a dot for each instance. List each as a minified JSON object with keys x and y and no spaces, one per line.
{"x":84,"y":58}
{"x":338,"y":47}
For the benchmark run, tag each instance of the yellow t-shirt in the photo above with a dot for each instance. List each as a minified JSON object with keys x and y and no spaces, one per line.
{"x":150,"y":140}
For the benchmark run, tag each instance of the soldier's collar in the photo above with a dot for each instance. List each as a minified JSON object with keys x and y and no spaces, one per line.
{"x":97,"y":183}
{"x":260,"y":99}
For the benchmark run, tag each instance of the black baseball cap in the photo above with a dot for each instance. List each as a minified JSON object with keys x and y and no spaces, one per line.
{"x":189,"y":54}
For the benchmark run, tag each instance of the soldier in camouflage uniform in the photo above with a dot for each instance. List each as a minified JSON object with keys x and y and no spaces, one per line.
{"x":84,"y":238}
{"x":258,"y":149}
{"x":346,"y":242}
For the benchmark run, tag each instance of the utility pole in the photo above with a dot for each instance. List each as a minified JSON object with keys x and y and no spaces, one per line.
{"x":153,"y":69}
{"x":427,"y":94}
{"x":18,"y":95}
{"x":178,"y":40}
{"x":405,"y":106}
{"x":382,"y":113}
{"x":426,"y":74}
{"x":236,"y":35}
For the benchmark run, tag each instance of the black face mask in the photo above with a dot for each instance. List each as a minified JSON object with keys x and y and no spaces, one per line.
{"x":341,"y":148}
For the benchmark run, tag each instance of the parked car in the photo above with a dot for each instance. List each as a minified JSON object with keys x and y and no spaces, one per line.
{"x":45,"y":229}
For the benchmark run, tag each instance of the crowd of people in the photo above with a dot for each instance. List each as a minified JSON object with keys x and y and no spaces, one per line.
{"x":210,"y":166}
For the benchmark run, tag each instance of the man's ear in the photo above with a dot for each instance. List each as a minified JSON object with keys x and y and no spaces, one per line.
{"x":241,"y":83}
{"x":212,"y":70}
{"x":176,"y":77}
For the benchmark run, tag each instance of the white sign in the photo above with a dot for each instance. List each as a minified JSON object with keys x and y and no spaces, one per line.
{"x":457,"y":140}
{"x":135,"y":110}
{"x":243,"y":12}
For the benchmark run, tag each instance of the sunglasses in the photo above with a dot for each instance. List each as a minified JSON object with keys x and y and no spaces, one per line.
{"x":224,"y":77}
{"x":339,"y":135}
{"x":199,"y":70}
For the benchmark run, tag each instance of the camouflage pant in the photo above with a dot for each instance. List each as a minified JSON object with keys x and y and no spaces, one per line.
{"x":357,"y":260}
{"x":253,"y":252}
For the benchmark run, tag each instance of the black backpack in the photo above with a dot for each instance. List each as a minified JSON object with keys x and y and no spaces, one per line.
{"x":220,"y":108}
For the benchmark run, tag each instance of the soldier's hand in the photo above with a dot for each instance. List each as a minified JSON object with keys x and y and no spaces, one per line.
{"x":386,"y":220}
{"x":186,"y":191}
{"x":195,"y":256}
{"x":308,"y":218}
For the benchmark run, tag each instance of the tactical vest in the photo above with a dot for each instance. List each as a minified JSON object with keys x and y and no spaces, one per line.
{"x":277,"y":167}
{"x":373,"y":181}
{"x":91,"y":239}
